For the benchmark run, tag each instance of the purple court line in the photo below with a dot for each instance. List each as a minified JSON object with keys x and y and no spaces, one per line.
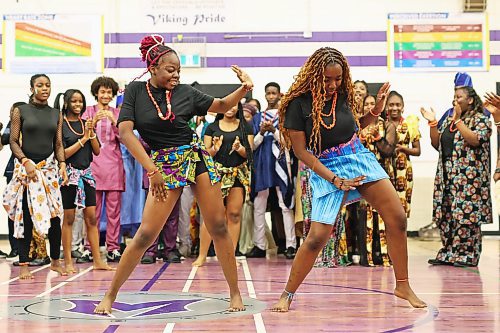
{"x":153,"y":280}
{"x":111,"y":329}
{"x":147,"y":286}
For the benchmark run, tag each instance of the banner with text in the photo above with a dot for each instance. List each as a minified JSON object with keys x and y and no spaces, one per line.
{"x":438,"y":42}
{"x":52,"y":43}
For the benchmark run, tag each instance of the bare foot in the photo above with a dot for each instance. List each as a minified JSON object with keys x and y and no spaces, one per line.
{"x":104,"y":307}
{"x":24,"y":273}
{"x":404,"y":291}
{"x":56,"y":267}
{"x":102,"y":266}
{"x":283,"y":304}
{"x":69,"y":268}
{"x":236,"y":303}
{"x":199,"y":261}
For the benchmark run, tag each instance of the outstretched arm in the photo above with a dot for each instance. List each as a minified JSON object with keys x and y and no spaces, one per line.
{"x":221,"y":105}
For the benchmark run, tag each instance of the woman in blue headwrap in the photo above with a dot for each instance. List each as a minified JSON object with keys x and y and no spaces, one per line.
{"x":462,"y":200}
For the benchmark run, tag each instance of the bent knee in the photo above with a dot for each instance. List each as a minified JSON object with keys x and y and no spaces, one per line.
{"x":234,"y":216}
{"x":217,"y":228}
{"x":314,"y":244}
{"x":145,"y":238}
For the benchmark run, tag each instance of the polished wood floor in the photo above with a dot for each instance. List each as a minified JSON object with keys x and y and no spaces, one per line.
{"x":352,"y":299}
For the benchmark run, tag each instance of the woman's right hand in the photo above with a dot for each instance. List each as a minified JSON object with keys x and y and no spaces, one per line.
{"x":348,"y":184}
{"x":31,"y":171}
{"x":428,"y":115}
{"x":157,"y":187}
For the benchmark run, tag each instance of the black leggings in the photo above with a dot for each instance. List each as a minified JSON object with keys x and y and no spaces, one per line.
{"x":54,"y":234}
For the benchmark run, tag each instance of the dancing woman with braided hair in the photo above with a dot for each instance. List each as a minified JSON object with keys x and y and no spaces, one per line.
{"x":160,"y":109}
{"x":318,"y":118}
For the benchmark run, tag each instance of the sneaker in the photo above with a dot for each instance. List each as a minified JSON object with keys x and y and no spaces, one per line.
{"x":76,"y":254}
{"x":290,"y":253}
{"x":3,"y":255}
{"x":39,"y":261}
{"x":114,"y":256}
{"x":173,"y":257}
{"x":13,"y":255}
{"x":86,"y":257}
{"x":148,"y":259}
{"x":256,"y":253}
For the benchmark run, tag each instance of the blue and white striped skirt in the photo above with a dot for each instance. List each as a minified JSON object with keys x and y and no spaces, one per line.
{"x":348,"y":160}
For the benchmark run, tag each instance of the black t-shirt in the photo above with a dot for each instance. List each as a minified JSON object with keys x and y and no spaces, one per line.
{"x":223,"y":156}
{"x":298,"y":117}
{"x":38,"y":129}
{"x":186,"y":102}
{"x":447,"y":139}
{"x":83,"y":157}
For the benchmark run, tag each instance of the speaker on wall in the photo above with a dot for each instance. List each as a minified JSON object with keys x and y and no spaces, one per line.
{"x":474,"y":6}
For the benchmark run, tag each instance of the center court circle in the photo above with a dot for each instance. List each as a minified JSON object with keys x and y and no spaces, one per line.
{"x":130,"y":308}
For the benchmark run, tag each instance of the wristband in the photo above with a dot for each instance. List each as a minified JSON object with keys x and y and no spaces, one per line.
{"x":375,"y":114}
{"x":150,"y":174}
{"x":433,"y":123}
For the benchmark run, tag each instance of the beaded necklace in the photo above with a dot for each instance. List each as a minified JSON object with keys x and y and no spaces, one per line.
{"x":331,"y":113}
{"x":169,"y":114}
{"x":72,"y":129}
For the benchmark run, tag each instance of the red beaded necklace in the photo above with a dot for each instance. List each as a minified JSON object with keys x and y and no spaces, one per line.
{"x":72,"y":129}
{"x":453,"y":127}
{"x":331,"y":113}
{"x":170,"y":115}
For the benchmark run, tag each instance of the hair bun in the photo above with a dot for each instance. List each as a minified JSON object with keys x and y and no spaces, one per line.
{"x":148,"y":42}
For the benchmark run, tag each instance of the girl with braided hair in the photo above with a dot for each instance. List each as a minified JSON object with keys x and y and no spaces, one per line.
{"x":160,"y":109}
{"x":318,"y":117}
{"x":229,"y":140}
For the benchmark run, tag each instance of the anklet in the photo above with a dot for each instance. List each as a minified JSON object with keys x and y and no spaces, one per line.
{"x":24,"y":264}
{"x":402,"y":280}
{"x":289,"y":295}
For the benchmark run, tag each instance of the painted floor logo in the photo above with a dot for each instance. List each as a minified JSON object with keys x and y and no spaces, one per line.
{"x":130,"y":308}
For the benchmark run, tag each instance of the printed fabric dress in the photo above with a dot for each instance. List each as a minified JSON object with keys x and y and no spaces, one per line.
{"x":462,"y":198}
{"x":399,"y":166}
{"x":374,"y":250}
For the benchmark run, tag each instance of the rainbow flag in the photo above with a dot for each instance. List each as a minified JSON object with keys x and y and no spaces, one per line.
{"x":34,"y":41}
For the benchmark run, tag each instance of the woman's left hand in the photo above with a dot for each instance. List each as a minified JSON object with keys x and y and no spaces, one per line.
{"x":457,"y":111}
{"x":382,"y":95}
{"x":245,"y":79}
{"x":63,"y":174}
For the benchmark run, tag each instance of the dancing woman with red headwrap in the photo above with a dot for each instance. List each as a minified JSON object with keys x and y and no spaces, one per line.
{"x":160,"y":109}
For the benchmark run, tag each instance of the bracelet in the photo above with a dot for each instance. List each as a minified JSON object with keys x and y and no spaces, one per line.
{"x":377,"y":138}
{"x":375,"y":114}
{"x":497,"y":123}
{"x":150,"y":174}
{"x":497,"y":170}
{"x":333,"y":179}
{"x":456,"y":122}
{"x":246,"y":89}
{"x":433,"y":123}
{"x":26,"y":161}
{"x":93,"y":137}
{"x":80,"y":142}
